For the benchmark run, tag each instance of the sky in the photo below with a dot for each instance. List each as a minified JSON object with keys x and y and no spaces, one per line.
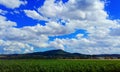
{"x":76,"y":26}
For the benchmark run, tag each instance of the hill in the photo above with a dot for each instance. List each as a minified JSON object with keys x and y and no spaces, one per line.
{"x":58,"y":54}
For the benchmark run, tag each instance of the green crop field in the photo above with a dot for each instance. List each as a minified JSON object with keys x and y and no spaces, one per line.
{"x":59,"y":65}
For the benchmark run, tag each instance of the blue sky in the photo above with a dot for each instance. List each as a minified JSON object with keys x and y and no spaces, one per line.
{"x":83,"y":26}
{"x":113,"y":9}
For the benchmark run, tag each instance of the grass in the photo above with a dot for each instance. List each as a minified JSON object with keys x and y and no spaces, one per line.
{"x":59,"y":65}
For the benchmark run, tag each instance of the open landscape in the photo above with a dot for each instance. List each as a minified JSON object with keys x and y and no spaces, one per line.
{"x":59,"y":65}
{"x":59,"y":61}
{"x":59,"y":35}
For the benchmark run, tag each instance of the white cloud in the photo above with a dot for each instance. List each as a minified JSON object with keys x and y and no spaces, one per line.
{"x":15,"y":47}
{"x":81,"y":9}
{"x":3,"y":12}
{"x":4,"y":23}
{"x":50,"y":9}
{"x":51,"y":28}
{"x":34,"y":15}
{"x":12,"y":3}
{"x":81,"y":14}
{"x":108,"y":45}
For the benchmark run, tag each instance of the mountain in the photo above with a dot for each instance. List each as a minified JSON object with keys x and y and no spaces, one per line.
{"x":58,"y":54}
{"x":51,"y":52}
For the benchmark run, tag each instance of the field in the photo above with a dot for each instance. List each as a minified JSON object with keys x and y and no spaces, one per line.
{"x":59,"y":65}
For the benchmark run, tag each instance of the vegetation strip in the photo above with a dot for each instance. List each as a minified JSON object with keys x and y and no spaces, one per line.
{"x":32,"y":65}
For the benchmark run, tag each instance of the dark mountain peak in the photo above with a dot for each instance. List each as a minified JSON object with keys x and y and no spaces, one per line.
{"x":58,"y":51}
{"x":50,"y":52}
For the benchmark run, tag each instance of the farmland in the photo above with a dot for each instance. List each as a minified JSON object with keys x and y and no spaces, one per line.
{"x":32,"y":65}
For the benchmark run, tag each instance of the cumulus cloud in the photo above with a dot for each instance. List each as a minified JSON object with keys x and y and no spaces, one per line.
{"x":80,"y":9}
{"x":12,"y":3}
{"x":89,"y":15}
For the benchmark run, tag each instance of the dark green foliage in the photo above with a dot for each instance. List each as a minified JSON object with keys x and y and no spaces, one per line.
{"x":59,"y":65}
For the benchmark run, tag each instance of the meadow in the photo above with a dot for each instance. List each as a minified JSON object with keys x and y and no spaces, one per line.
{"x":32,"y":65}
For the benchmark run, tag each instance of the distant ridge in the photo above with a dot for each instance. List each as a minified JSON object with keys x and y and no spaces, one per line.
{"x":58,"y":54}
{"x":51,"y":52}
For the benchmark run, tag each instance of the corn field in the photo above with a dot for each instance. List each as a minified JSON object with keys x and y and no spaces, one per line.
{"x":59,"y":65}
